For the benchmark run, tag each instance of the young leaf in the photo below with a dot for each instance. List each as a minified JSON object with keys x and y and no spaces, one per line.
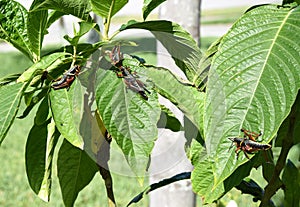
{"x":61,"y":102}
{"x":75,"y":170}
{"x":107,"y":8}
{"x":149,"y":5}
{"x":253,"y":82}
{"x":78,"y":8}
{"x":84,"y":27}
{"x":179,"y":43}
{"x":9,"y":104}
{"x":40,"y":146}
{"x":13,"y":26}
{"x":129,"y":118}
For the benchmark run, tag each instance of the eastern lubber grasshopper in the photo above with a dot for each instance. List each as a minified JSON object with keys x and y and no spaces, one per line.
{"x":130,"y":78}
{"x":67,"y":79}
{"x":132,"y":83}
{"x":248,"y":144}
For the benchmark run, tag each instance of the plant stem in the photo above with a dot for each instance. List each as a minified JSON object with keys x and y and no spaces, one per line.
{"x":287,"y":143}
{"x":108,"y":20}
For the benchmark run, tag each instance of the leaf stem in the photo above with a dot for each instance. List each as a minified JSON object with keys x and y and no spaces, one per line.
{"x":108,"y":20}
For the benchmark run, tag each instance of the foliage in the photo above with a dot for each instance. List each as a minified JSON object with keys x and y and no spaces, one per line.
{"x":247,"y":79}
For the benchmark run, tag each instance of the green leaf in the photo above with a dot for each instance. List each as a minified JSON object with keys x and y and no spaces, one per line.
{"x":168,"y":120}
{"x":53,"y":17}
{"x":287,"y":125}
{"x":13,"y":26}
{"x":200,"y":79}
{"x":36,"y":29}
{"x":187,"y":98}
{"x":62,"y":107}
{"x":45,"y":63}
{"x":107,"y":8}
{"x":9,"y":79}
{"x":203,"y":176}
{"x":40,"y":146}
{"x":253,"y":82}
{"x":9,"y":104}
{"x":129,"y":118}
{"x":291,"y":180}
{"x":33,"y":101}
{"x":75,"y":170}
{"x":43,"y":113}
{"x":78,"y":8}
{"x":149,"y":5}
{"x":179,"y":43}
{"x":84,"y":27}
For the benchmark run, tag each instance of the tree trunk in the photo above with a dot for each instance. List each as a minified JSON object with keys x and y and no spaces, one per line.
{"x":168,"y":157}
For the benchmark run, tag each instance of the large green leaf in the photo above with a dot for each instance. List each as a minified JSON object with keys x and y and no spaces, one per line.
{"x":75,"y":170}
{"x":62,"y":107}
{"x":179,"y":43}
{"x":36,"y":29}
{"x":149,"y":5}
{"x":78,"y":8}
{"x":40,"y":146}
{"x":130,"y":119}
{"x":9,"y":104}
{"x":253,"y":82}
{"x":107,"y":8}
{"x":13,"y":26}
{"x":186,"y":97}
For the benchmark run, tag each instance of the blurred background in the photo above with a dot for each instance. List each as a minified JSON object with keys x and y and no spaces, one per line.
{"x":216,"y":18}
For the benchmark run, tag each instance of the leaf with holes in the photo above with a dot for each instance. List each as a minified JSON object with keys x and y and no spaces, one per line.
{"x":253,"y":82}
{"x":129,"y":118}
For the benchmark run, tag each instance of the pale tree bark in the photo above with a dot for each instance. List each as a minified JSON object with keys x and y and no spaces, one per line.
{"x":168,"y":157}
